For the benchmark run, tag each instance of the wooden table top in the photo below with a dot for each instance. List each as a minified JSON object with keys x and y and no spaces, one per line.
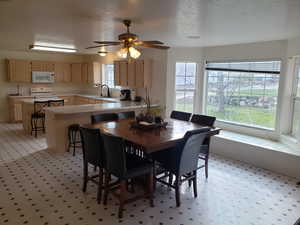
{"x":150,"y":140}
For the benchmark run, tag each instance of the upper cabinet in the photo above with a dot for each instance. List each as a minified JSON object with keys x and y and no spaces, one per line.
{"x":133,"y":73}
{"x":42,"y":66}
{"x":76,"y":73}
{"x":62,"y":72}
{"x":19,"y":70}
{"x":94,"y":73}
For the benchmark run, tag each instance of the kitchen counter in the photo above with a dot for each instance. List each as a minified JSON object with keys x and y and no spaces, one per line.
{"x":58,"y":119}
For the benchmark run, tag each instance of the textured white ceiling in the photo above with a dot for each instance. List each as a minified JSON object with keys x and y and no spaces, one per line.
{"x":78,"y":22}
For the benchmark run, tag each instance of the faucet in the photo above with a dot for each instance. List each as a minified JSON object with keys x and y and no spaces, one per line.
{"x":104,"y":85}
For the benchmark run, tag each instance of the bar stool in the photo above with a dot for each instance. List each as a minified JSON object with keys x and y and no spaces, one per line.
{"x":73,"y":134}
{"x":38,"y":117}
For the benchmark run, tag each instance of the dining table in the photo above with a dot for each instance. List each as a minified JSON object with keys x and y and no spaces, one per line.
{"x":151,"y":140}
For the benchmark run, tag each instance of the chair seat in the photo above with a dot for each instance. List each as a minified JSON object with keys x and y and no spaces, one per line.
{"x":37,"y":115}
{"x":136,"y":166}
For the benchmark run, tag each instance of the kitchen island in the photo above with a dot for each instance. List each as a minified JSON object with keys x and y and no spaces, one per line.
{"x":58,"y":119}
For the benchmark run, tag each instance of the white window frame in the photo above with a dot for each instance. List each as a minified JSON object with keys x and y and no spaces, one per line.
{"x":195,"y":88}
{"x":273,"y":134}
{"x":104,"y":75}
{"x":294,"y":95}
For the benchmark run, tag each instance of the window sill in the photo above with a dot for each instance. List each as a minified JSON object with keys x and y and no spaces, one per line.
{"x":260,"y":142}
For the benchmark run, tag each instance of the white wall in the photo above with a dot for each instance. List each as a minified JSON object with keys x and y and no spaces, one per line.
{"x":293,"y":48}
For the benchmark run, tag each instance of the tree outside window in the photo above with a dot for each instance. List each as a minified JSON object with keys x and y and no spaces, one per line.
{"x":243,"y":92}
{"x":185,"y":86}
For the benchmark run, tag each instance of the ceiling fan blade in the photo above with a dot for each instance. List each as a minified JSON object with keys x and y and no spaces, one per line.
{"x":98,"y":46}
{"x":152,"y":42}
{"x":108,"y":42}
{"x":153,"y":46}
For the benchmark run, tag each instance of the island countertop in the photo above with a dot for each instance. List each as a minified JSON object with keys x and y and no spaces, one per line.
{"x":58,"y":119}
{"x":61,"y":112}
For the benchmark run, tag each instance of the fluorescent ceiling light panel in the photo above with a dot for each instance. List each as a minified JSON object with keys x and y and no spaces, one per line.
{"x":52,"y":49}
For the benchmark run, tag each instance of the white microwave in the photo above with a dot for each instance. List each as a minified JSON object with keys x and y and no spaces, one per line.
{"x":42,"y":77}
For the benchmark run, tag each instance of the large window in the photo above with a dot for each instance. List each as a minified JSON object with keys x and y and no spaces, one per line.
{"x":296,"y":113}
{"x":108,"y":75}
{"x":243,"y":92}
{"x":185,"y":86}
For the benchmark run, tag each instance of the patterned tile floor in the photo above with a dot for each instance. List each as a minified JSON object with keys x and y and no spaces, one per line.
{"x":37,"y":187}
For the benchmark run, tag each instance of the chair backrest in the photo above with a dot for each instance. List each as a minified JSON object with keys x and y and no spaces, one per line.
{"x":104,"y":117}
{"x":188,"y":150}
{"x":59,"y":102}
{"x":126,"y":115}
{"x":180,"y":115}
{"x":92,"y":146}
{"x":115,"y":155}
{"x":203,"y":120}
{"x":297,"y":222}
{"x":39,"y":106}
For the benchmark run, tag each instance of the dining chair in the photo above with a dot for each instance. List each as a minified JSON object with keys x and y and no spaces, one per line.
{"x":104,"y":117}
{"x":93,"y":154}
{"x":124,"y":166}
{"x":38,"y":117}
{"x":59,"y":102}
{"x":126,"y":115}
{"x":208,"y":121}
{"x":181,"y":161}
{"x":180,"y":115}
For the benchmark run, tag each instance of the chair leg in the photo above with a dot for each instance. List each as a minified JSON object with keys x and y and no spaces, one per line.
{"x":35,"y":127}
{"x":206,"y":167}
{"x":170,"y":178}
{"x":100,"y":185}
{"x":190,"y":181}
{"x":122,"y":197}
{"x":69,"y":136}
{"x":85,"y":177}
{"x":150,"y":187}
{"x":106,"y":188}
{"x":95,"y":168}
{"x":195,"y":183}
{"x":43,"y":125}
{"x":154,"y":176}
{"x":177,"y":191}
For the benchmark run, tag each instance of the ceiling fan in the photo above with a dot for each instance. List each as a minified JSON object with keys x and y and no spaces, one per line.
{"x":129,"y":42}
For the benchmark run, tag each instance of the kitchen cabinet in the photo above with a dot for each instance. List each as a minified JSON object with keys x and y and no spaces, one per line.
{"x":15,"y":109}
{"x":94,"y":73}
{"x":117,"y":73}
{"x":18,"y":70}
{"x":76,"y":73}
{"x":42,"y":66}
{"x":133,"y":74}
{"x":62,"y":72}
{"x":84,"y":73}
{"x":123,"y":73}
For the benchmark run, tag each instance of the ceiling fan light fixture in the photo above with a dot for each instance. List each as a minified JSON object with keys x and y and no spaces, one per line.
{"x":122,"y":53}
{"x":134,"y":53}
{"x":102,"y":53}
